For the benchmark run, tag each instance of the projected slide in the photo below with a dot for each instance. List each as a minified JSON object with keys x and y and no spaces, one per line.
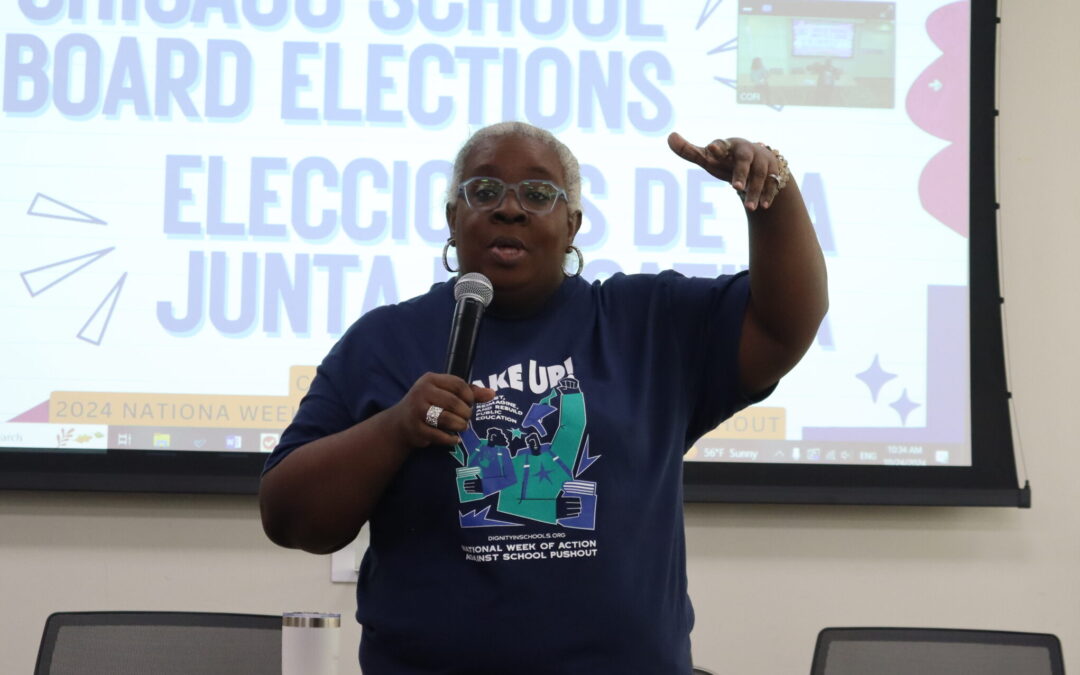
{"x":199,"y":196}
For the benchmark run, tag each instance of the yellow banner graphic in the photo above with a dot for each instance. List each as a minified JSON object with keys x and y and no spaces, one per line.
{"x":754,"y":422}
{"x":182,"y":410}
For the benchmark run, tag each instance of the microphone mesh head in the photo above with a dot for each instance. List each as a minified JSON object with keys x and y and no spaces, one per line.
{"x":474,"y":285}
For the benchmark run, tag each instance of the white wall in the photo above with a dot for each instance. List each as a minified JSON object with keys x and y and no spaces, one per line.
{"x":764,"y":579}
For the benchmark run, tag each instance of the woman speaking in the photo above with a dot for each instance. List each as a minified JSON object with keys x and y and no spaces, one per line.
{"x":535,"y":525}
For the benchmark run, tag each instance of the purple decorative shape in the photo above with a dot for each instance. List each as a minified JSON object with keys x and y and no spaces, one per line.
{"x":824,"y":335}
{"x":110,"y":298}
{"x":903,"y":406}
{"x":875,"y":377}
{"x":83,"y":217}
{"x":946,"y":379}
{"x":480,"y":519}
{"x":706,"y":12}
{"x":534,"y":418}
{"x":39,"y":413}
{"x":728,"y":46}
{"x":586,"y":459}
{"x":93,"y":257}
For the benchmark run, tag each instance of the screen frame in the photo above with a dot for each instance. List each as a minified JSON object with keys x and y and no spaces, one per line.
{"x":990,"y":481}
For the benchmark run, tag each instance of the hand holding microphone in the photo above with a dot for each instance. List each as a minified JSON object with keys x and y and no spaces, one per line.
{"x":438,"y":406}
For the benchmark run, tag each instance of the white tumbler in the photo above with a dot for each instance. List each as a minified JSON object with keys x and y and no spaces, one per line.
{"x":309,"y":643}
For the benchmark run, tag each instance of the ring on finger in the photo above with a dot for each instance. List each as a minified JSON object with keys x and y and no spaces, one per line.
{"x":783,"y":175}
{"x":432,"y":416}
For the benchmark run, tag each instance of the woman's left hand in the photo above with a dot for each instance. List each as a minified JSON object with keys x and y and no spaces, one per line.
{"x":751,"y":168}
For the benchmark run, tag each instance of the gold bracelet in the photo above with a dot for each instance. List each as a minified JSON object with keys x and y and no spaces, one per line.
{"x":784,"y":175}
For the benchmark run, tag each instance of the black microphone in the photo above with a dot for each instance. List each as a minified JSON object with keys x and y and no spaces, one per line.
{"x":473,"y":293}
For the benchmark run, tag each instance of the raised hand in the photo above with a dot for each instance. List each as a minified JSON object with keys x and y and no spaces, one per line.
{"x":567,"y":507}
{"x":473,"y":486}
{"x":568,"y":384}
{"x":754,"y":170}
{"x":436,"y":408}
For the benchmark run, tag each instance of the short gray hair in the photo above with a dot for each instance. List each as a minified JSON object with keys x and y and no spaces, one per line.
{"x":569,"y":163}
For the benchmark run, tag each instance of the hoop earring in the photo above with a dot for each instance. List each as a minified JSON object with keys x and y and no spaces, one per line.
{"x":446,"y":247}
{"x":580,"y":261}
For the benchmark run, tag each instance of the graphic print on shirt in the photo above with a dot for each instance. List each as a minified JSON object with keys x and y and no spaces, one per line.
{"x":527,"y":465}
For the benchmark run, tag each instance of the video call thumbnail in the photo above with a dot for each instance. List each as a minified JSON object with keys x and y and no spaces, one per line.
{"x":817,"y":53}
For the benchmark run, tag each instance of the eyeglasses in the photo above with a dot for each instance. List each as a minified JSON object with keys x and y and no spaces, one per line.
{"x":536,"y":196}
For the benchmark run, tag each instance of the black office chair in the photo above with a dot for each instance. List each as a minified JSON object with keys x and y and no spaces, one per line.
{"x":159,"y":643}
{"x":935,"y":651}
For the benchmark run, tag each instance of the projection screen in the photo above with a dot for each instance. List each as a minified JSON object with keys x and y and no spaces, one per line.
{"x":200,"y":196}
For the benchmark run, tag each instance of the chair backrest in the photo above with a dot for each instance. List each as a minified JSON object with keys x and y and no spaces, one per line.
{"x":159,"y":643}
{"x":935,"y":651}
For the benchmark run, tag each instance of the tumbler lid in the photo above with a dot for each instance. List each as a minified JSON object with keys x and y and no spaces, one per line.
{"x":310,"y":620}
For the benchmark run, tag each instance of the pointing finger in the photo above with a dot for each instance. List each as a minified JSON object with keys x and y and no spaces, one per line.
{"x":687,"y":150}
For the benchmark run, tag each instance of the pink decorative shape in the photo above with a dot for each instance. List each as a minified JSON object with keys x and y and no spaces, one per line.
{"x":938,"y":103}
{"x":39,"y":413}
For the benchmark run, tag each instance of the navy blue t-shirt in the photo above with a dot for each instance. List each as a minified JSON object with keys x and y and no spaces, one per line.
{"x":550,"y":540}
